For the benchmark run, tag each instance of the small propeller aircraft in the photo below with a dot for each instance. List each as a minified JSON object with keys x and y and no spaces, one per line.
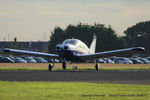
{"x":75,"y":50}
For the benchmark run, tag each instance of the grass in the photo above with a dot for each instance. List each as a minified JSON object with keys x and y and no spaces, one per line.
{"x":21,"y":68}
{"x":58,"y":66}
{"x":80,"y":69}
{"x":72,"y":91}
{"x":127,"y":68}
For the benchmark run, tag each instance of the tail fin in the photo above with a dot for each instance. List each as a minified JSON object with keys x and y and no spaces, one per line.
{"x":93,"y":44}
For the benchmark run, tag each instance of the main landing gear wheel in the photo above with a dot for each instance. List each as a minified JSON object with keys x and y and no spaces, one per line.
{"x":50,"y":66}
{"x":96,"y":66}
{"x":64,"y":65}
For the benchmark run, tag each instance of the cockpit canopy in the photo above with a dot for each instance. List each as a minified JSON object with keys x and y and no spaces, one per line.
{"x":71,"y":41}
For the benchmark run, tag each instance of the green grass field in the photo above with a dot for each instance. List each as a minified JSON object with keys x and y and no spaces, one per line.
{"x":72,"y":91}
{"x":80,"y":69}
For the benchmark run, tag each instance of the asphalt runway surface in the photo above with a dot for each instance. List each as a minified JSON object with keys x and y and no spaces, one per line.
{"x":104,"y":76}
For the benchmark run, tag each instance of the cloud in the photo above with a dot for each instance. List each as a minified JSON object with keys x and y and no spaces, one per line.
{"x":38,"y":16}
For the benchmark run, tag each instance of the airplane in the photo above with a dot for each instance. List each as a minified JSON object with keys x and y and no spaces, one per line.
{"x":75,"y":50}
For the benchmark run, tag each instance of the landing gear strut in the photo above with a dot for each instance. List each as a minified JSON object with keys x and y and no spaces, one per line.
{"x":96,"y":66}
{"x":64,"y":65}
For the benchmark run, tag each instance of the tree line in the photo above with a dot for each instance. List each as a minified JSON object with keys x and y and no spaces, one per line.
{"x":107,"y":39}
{"x":139,"y":35}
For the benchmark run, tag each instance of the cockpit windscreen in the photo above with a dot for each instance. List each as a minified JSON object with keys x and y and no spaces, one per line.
{"x":70,"y":41}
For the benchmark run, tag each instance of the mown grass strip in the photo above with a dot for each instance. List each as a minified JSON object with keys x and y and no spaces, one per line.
{"x":72,"y":91}
{"x":79,"y":69}
{"x":21,"y":68}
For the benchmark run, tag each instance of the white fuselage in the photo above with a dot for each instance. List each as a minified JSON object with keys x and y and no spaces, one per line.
{"x":72,"y":47}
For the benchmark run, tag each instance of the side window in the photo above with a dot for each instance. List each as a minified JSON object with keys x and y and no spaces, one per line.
{"x":72,"y":42}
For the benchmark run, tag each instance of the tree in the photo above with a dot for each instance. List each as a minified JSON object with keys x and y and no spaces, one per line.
{"x":106,"y":37}
{"x":57,"y":36}
{"x":139,"y":35}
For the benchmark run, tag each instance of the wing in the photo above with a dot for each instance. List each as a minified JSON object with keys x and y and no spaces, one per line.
{"x":106,"y":54}
{"x":24,"y":52}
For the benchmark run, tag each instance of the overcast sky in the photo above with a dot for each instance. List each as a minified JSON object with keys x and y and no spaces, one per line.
{"x":32,"y":20}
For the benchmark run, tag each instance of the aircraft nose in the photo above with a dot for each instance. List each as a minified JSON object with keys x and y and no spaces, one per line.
{"x":62,"y":47}
{"x":58,"y":47}
{"x":65,"y":47}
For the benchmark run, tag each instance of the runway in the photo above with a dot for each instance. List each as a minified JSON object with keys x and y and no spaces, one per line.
{"x":105,"y":76}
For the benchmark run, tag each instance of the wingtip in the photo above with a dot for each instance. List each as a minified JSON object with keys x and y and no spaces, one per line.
{"x":6,"y":50}
{"x":140,"y":49}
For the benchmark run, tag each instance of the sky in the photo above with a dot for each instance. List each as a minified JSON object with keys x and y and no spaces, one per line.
{"x":33,"y":20}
